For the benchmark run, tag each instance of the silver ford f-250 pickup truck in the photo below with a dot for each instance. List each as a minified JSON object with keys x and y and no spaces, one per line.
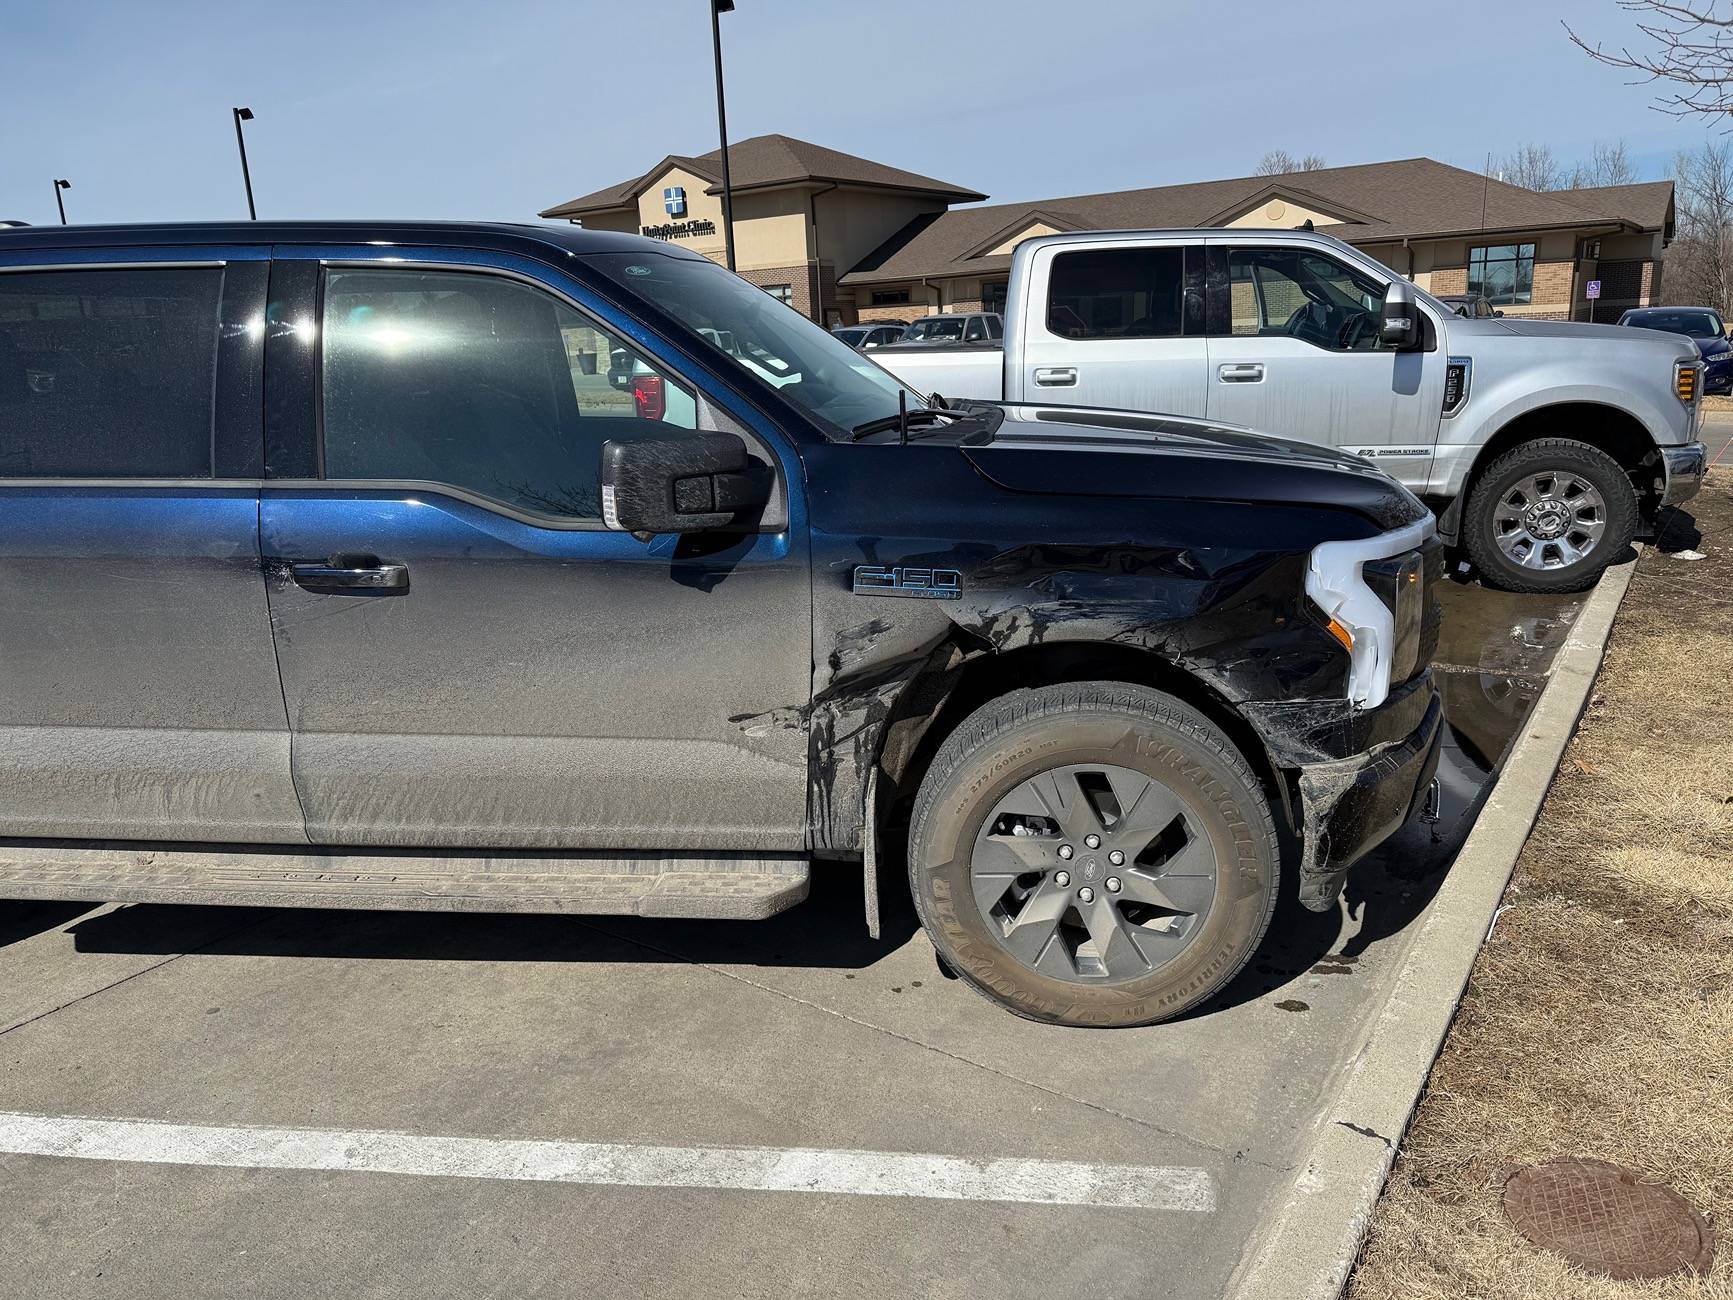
{"x":1545,"y":446}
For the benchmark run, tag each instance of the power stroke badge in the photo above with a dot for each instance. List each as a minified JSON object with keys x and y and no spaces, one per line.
{"x":924,"y":584}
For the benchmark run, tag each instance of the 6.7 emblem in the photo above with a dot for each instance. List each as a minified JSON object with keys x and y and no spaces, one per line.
{"x":887,"y":580}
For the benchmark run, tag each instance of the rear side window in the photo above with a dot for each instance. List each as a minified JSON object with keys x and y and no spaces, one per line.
{"x":1119,"y":293}
{"x":108,"y":374}
{"x":482,"y":383}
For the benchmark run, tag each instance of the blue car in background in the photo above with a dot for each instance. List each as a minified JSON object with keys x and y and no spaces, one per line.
{"x":1704,"y":327}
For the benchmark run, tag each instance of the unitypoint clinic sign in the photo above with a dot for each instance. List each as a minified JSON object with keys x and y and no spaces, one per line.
{"x":679,"y":229}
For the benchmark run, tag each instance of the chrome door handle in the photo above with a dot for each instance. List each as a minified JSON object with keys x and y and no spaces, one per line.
{"x":1056,"y":376}
{"x":358,"y":573}
{"x":1247,"y":372}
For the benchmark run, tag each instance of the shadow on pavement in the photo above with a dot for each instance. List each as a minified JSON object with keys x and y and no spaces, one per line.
{"x":24,"y":920}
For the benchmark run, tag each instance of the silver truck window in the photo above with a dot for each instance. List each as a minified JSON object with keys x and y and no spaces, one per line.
{"x":482,"y":383}
{"x":108,"y":373}
{"x":1305,"y":295}
{"x":1117,"y":293}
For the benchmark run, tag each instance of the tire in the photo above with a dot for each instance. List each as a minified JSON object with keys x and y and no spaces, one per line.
{"x":1541,"y":502}
{"x":1020,"y":783}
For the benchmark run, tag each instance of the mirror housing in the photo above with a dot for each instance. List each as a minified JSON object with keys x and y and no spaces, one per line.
{"x":1399,"y":318}
{"x":697,"y":484}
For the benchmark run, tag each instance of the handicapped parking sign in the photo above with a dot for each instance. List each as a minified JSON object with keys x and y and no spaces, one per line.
{"x":1594,"y":289}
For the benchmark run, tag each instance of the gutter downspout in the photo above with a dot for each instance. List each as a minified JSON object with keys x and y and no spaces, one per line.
{"x":812,"y":261}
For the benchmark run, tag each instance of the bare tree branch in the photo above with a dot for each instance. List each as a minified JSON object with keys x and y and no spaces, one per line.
{"x":1692,"y":54}
{"x":1279,"y":162}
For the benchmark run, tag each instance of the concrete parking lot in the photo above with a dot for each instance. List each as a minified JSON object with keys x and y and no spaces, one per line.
{"x":667,"y":1041}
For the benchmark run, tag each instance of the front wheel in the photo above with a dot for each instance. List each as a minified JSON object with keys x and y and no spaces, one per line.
{"x":1093,"y":853}
{"x":1549,"y":515}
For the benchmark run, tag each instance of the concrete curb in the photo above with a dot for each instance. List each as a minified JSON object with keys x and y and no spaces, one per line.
{"x":1312,"y":1240}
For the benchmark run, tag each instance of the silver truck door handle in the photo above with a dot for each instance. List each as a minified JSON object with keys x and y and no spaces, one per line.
{"x":1056,"y":376}
{"x":1249,"y":372}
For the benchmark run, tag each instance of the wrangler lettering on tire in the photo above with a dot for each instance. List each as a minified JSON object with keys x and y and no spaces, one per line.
{"x":1094,"y":853}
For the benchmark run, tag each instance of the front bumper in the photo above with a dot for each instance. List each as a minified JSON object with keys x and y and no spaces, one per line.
{"x":1360,"y":773}
{"x":1682,"y":470}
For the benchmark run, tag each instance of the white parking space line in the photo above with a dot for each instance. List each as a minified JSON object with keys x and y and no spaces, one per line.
{"x":754,"y":1169}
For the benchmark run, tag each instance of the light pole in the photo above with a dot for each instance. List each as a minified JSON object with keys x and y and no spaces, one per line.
{"x":717,"y":9}
{"x":60,"y":202}
{"x":245,"y":115}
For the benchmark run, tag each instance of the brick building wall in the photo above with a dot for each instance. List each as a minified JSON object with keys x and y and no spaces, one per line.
{"x":802,"y":281}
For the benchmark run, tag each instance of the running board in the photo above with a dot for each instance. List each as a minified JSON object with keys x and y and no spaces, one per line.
{"x":741,"y":887}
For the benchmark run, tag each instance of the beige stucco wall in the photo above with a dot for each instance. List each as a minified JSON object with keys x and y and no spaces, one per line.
{"x":1032,"y":231}
{"x":1280,"y":214}
{"x":770,"y":227}
{"x":852,"y":222}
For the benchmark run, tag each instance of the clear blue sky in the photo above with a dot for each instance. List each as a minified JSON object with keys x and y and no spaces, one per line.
{"x":441,"y":108}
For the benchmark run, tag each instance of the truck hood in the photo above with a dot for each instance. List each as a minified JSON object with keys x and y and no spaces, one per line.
{"x":1073,"y":451}
{"x":1580,"y":331}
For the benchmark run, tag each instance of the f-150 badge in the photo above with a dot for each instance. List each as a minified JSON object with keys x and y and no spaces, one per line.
{"x":927,"y":584}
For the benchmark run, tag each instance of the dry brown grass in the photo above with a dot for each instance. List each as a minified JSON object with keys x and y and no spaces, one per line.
{"x":1599,"y":1019}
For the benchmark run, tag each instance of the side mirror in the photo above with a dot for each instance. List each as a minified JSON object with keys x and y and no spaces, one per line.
{"x":1399,"y":318}
{"x":697,"y":484}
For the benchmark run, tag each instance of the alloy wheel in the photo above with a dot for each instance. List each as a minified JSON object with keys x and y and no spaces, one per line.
{"x":1549,"y":520}
{"x":1093,"y":873}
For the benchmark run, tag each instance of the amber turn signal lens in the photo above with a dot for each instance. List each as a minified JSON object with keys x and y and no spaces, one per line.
{"x":1342,"y":634}
{"x":1687,"y":380}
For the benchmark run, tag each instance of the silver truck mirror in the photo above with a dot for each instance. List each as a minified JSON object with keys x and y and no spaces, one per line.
{"x":1399,"y":319}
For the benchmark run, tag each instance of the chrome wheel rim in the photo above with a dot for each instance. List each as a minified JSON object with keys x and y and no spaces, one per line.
{"x":1093,"y":873}
{"x":1549,"y":520}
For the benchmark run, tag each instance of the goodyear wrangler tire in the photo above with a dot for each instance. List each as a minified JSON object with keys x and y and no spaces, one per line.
{"x":1093,"y":853}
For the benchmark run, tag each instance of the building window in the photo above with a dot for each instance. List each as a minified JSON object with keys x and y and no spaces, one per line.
{"x":783,"y":293}
{"x":1504,"y":273}
{"x":993,"y":295}
{"x":890,"y":297}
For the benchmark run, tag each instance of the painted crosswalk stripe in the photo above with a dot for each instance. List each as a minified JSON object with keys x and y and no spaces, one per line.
{"x":759,"y":1169}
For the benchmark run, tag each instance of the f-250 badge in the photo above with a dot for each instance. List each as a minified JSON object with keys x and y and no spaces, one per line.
{"x":927,"y":584}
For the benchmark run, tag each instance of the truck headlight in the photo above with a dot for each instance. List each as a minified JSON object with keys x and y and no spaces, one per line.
{"x":1373,"y":591}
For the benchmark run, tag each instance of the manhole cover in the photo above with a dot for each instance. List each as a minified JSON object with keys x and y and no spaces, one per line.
{"x":1607,"y":1219}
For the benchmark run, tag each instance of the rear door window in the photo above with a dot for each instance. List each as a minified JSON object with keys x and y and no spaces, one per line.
{"x":485,"y":384}
{"x":108,"y":374}
{"x":1117,"y":293}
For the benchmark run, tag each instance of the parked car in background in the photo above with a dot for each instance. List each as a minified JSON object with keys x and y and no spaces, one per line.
{"x":1704,"y":327}
{"x":862,"y":337}
{"x":450,"y":623}
{"x":956,"y":327}
{"x":1546,"y":446}
{"x":1472,"y":305}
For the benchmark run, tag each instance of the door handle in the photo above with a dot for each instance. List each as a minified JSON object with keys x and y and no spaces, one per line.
{"x":1056,"y":376}
{"x":1245,"y":372}
{"x":362,"y":574}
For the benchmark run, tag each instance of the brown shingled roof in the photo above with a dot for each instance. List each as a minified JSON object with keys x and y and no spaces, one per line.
{"x":768,"y":160}
{"x":1416,"y":197}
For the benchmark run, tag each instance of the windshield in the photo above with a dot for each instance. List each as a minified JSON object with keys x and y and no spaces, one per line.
{"x":775,"y":345}
{"x":1696,"y":324}
{"x":935,"y":327}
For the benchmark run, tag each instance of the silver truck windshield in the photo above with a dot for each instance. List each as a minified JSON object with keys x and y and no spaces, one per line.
{"x":774,"y":345}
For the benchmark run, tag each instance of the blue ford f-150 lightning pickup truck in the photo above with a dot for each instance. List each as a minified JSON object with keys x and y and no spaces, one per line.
{"x":340,"y":572}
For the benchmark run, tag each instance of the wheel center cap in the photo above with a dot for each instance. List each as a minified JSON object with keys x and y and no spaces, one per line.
{"x":1546,"y":520}
{"x":1091,"y":869}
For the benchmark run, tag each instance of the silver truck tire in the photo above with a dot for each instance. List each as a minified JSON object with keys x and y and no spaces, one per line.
{"x":1549,"y":515}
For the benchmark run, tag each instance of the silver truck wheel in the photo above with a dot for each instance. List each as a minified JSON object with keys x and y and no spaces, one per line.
{"x":1093,"y":854}
{"x":1549,"y":516}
